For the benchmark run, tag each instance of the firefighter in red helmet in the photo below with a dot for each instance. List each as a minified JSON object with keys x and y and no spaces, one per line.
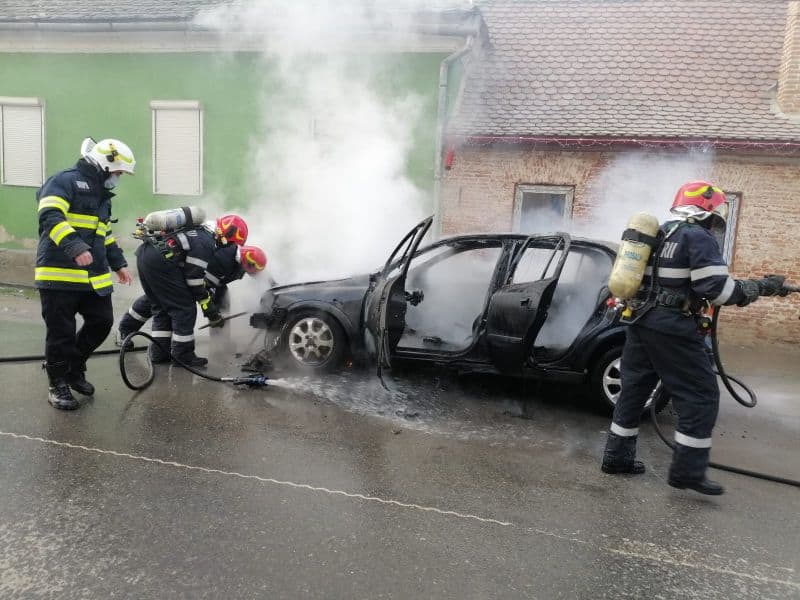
{"x":221,"y":266}
{"x":252,"y":259}
{"x":230,"y":229}
{"x":686,"y":270}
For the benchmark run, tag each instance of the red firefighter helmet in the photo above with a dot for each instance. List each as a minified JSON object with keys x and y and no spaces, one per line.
{"x":700,"y":199}
{"x":231,"y":229}
{"x":252,"y":259}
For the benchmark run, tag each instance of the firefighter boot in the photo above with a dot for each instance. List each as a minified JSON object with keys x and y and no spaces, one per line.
{"x":619,"y":456}
{"x":688,"y":471}
{"x":158,"y":351}
{"x":59,"y":395}
{"x":76,"y":378}
{"x":183,"y":352}
{"x":119,"y":338}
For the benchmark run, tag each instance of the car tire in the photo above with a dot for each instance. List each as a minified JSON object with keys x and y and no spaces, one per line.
{"x":605,"y":382}
{"x":314,"y":342}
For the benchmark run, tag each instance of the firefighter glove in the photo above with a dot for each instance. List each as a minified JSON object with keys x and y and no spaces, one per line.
{"x":211,"y":312}
{"x":215,"y":319}
{"x":750,"y":290}
{"x":772,"y":285}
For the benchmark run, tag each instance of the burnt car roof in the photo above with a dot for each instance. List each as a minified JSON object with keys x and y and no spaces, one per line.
{"x":611,"y":246}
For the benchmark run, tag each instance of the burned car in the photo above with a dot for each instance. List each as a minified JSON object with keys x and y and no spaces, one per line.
{"x":525,"y":306}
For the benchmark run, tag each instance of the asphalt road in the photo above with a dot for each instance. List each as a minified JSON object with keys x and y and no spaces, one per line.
{"x":337,"y":488}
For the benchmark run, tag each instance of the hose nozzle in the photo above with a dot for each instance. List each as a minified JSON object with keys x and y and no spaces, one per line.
{"x":251,"y":381}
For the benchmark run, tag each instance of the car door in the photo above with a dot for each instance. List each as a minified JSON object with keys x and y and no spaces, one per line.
{"x":385,"y":303}
{"x":517,"y":310}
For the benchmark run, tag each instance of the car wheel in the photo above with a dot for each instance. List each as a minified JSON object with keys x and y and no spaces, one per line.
{"x":314,"y":341}
{"x":606,"y":382}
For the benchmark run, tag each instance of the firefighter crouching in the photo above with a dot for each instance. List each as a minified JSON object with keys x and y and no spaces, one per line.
{"x":172,"y":268}
{"x":230,"y":261}
{"x":663,"y":341}
{"x":76,"y":249}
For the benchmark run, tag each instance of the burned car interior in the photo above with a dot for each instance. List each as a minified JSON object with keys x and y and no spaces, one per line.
{"x":453,"y":280}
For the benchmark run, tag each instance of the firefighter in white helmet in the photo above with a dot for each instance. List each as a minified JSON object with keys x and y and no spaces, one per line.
{"x":75,"y":255}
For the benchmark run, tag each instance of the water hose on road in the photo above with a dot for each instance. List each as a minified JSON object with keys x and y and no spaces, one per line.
{"x":252,"y":381}
{"x":34,"y":357}
{"x":726,"y":380}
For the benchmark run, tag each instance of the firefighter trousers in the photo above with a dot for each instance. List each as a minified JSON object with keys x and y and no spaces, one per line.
{"x":138,"y":314}
{"x":173,"y":305}
{"x":66,"y":349}
{"x":683,"y":365}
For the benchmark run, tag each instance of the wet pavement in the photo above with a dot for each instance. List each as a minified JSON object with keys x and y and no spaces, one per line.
{"x":447,"y":487}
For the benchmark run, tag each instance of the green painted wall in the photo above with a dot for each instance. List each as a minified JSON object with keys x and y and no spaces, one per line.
{"x":109,"y":96}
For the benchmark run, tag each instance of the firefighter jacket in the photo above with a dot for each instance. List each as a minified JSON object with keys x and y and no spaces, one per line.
{"x":75,"y":217}
{"x":223,"y":268}
{"x":191,"y":250}
{"x":690,"y":268}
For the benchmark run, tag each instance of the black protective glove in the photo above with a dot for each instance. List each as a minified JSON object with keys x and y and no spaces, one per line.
{"x":772,"y":285}
{"x":215,"y":319}
{"x":751,"y":291}
{"x":211,"y":312}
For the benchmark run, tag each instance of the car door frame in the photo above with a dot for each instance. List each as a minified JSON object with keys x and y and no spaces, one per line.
{"x":516,"y":312}
{"x":383,"y":315}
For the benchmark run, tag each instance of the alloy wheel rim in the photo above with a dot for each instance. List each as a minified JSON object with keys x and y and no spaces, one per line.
{"x":311,"y":341}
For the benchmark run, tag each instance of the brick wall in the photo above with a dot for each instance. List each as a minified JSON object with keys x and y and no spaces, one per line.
{"x":478,"y":195}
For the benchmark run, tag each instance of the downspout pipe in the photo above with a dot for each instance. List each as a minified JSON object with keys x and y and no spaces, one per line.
{"x":441,"y":124}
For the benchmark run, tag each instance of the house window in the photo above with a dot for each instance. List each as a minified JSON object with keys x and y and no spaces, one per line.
{"x":22,"y":141}
{"x":177,"y":147}
{"x":727,"y":238}
{"x":542,"y":208}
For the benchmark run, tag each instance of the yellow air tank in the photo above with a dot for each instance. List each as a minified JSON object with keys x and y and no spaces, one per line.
{"x":638,"y":241}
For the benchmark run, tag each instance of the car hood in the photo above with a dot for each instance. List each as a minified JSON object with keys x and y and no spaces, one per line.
{"x":344,"y":290}
{"x":357,"y":281}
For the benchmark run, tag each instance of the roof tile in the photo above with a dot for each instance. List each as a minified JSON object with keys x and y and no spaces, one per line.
{"x":628,"y":68}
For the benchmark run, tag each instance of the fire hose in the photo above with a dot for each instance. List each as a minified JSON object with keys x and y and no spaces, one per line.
{"x":251,"y":381}
{"x":726,"y":380}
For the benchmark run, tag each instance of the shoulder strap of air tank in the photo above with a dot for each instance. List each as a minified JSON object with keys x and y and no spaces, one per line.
{"x":184,"y":240}
{"x":637,"y":236}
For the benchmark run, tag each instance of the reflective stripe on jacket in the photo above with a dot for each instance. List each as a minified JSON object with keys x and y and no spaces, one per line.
{"x":690,"y":265}
{"x":75,"y":217}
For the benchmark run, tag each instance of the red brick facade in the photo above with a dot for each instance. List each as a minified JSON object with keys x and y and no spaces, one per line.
{"x":478,"y":195}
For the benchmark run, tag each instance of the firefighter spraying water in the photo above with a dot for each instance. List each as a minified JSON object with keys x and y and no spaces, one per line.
{"x":663,"y":280}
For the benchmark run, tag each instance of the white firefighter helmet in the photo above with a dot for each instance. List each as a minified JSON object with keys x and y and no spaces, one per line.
{"x":109,"y":155}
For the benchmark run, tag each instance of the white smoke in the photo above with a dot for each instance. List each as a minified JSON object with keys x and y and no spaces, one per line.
{"x":639,"y":182}
{"x":330,"y":171}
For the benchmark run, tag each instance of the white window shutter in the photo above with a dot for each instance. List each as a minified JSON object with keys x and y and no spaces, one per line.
{"x":22,"y":135}
{"x":177,"y":148}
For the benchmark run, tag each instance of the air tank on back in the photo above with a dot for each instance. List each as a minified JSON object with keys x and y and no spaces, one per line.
{"x":638,"y":241}
{"x":175,"y":218}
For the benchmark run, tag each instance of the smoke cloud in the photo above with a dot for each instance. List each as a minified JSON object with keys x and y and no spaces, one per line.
{"x":639,"y":182}
{"x":329,"y":171}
